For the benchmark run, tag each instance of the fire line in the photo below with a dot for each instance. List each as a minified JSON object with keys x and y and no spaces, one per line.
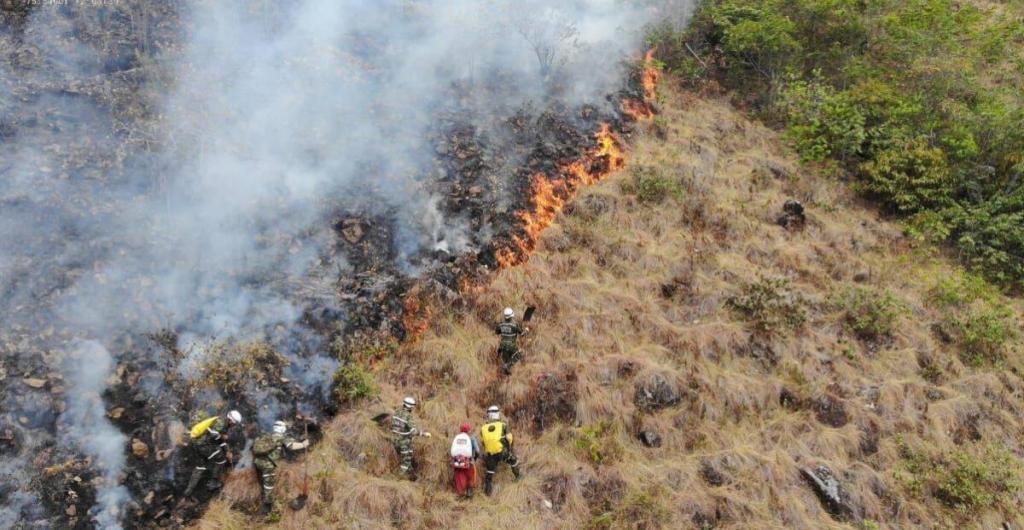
{"x":550,"y":194}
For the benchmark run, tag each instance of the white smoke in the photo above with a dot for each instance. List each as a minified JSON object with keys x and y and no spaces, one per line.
{"x":84,"y":424}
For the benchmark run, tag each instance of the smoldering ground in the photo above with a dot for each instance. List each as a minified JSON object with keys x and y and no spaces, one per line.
{"x":176,"y":170}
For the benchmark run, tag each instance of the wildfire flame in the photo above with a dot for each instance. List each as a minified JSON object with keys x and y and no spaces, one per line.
{"x":549,"y":195}
{"x":640,"y":110}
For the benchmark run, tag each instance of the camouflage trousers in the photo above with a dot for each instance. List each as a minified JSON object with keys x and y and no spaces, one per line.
{"x":266,"y":473}
{"x":510,"y":355}
{"x":403,"y":446}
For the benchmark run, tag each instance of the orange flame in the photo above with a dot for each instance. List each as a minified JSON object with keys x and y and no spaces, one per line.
{"x":550,"y":195}
{"x":415,"y":315}
{"x":641,"y":110}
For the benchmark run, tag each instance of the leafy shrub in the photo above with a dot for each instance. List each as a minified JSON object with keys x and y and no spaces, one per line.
{"x":352,"y":383}
{"x":870,"y":314}
{"x":598,"y":441}
{"x":968,"y":481}
{"x":909,"y":177}
{"x":638,"y":509}
{"x":651,"y":186}
{"x":822,"y":122}
{"x":926,"y":112}
{"x":983,"y":334}
{"x":771,"y":304}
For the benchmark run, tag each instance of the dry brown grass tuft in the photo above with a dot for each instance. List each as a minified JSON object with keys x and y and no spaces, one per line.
{"x":629,"y":287}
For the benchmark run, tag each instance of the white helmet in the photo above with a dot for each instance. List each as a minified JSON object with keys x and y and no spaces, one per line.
{"x":508,"y":313}
{"x":280,"y":427}
{"x":409,"y":402}
{"x":235,"y":417}
{"x":493,"y":412}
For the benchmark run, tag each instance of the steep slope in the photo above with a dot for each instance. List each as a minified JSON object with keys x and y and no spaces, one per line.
{"x":669,"y":301}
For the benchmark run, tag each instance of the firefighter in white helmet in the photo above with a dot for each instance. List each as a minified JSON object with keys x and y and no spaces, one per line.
{"x":267,"y":449}
{"x":509,"y":330}
{"x":209,"y":442}
{"x":497,"y":442}
{"x":403,"y":430}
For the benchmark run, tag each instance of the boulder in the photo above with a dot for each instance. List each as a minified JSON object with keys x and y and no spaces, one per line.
{"x":829,"y":491}
{"x":656,"y":392}
{"x":831,"y":411}
{"x":793,"y":217}
{"x":711,"y":474}
{"x":650,"y":438}
{"x":34,"y":382}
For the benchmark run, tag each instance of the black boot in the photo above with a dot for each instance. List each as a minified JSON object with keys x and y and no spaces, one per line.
{"x":515,"y":473}
{"x":193,"y":481}
{"x":487,"y":487}
{"x":469,"y":493}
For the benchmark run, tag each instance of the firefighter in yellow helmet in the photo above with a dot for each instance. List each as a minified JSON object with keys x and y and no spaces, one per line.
{"x":497,"y":442}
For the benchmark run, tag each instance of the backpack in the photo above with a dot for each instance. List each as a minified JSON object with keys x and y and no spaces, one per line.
{"x":493,"y":437}
{"x":462,"y":445}
{"x":199,"y":429}
{"x":264,"y":445}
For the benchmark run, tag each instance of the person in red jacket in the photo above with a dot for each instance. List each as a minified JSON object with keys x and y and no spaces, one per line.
{"x":465,"y":452}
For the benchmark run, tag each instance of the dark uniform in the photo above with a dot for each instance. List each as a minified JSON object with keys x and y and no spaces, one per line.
{"x":211,"y":453}
{"x":496,"y":431}
{"x":266,"y":466}
{"x":508,"y":348}
{"x":403,"y":429}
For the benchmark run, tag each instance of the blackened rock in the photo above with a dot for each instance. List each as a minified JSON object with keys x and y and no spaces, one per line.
{"x":829,"y":491}
{"x":703,"y":521}
{"x":650,"y":438}
{"x":831,"y":411}
{"x":656,"y":392}
{"x":710,"y":474}
{"x":793,"y":217}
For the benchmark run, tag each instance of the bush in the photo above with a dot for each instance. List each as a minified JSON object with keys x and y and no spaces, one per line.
{"x":598,"y":442}
{"x":639,"y":509}
{"x":352,"y":383}
{"x":771,"y":304}
{"x":968,"y":481}
{"x":651,"y":186}
{"x":983,"y":334}
{"x":909,"y":177}
{"x":918,"y":99}
{"x":871,"y":314}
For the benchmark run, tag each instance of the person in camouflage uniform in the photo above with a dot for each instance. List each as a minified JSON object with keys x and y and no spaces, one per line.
{"x":403,"y":430}
{"x":266,"y":451}
{"x":210,"y":446}
{"x":508,"y":348}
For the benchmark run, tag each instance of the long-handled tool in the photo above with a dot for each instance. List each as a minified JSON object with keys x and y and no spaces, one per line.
{"x":299,"y":502}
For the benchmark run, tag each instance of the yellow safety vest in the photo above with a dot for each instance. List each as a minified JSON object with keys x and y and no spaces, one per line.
{"x":200,"y":428}
{"x":492,"y":435}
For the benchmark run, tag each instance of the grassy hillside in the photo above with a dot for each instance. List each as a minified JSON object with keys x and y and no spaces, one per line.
{"x":917,"y":102}
{"x":845,"y":344}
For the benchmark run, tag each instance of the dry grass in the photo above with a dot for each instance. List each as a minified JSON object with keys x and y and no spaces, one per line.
{"x":627,"y":288}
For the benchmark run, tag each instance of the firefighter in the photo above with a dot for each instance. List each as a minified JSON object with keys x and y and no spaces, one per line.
{"x":465,"y":452}
{"x":209,"y":441}
{"x":508,"y":348}
{"x":403,"y":429}
{"x":266,"y":451}
{"x":497,"y":442}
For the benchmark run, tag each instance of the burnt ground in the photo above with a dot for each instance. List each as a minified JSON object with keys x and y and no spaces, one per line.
{"x":482,"y":174}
